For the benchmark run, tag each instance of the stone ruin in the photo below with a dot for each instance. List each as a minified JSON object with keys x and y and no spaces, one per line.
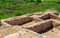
{"x":37,"y":25}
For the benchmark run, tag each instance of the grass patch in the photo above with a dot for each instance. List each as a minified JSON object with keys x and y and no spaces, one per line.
{"x":10,"y":9}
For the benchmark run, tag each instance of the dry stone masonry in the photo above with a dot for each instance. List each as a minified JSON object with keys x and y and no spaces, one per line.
{"x":36,"y":25}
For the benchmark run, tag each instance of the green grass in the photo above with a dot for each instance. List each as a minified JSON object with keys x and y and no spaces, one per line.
{"x":10,"y":9}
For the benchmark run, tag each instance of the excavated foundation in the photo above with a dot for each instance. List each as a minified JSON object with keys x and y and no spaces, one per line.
{"x":41,"y":25}
{"x":23,"y":21}
{"x":49,"y":16}
{"x":46,"y":27}
{"x":45,"y":24}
